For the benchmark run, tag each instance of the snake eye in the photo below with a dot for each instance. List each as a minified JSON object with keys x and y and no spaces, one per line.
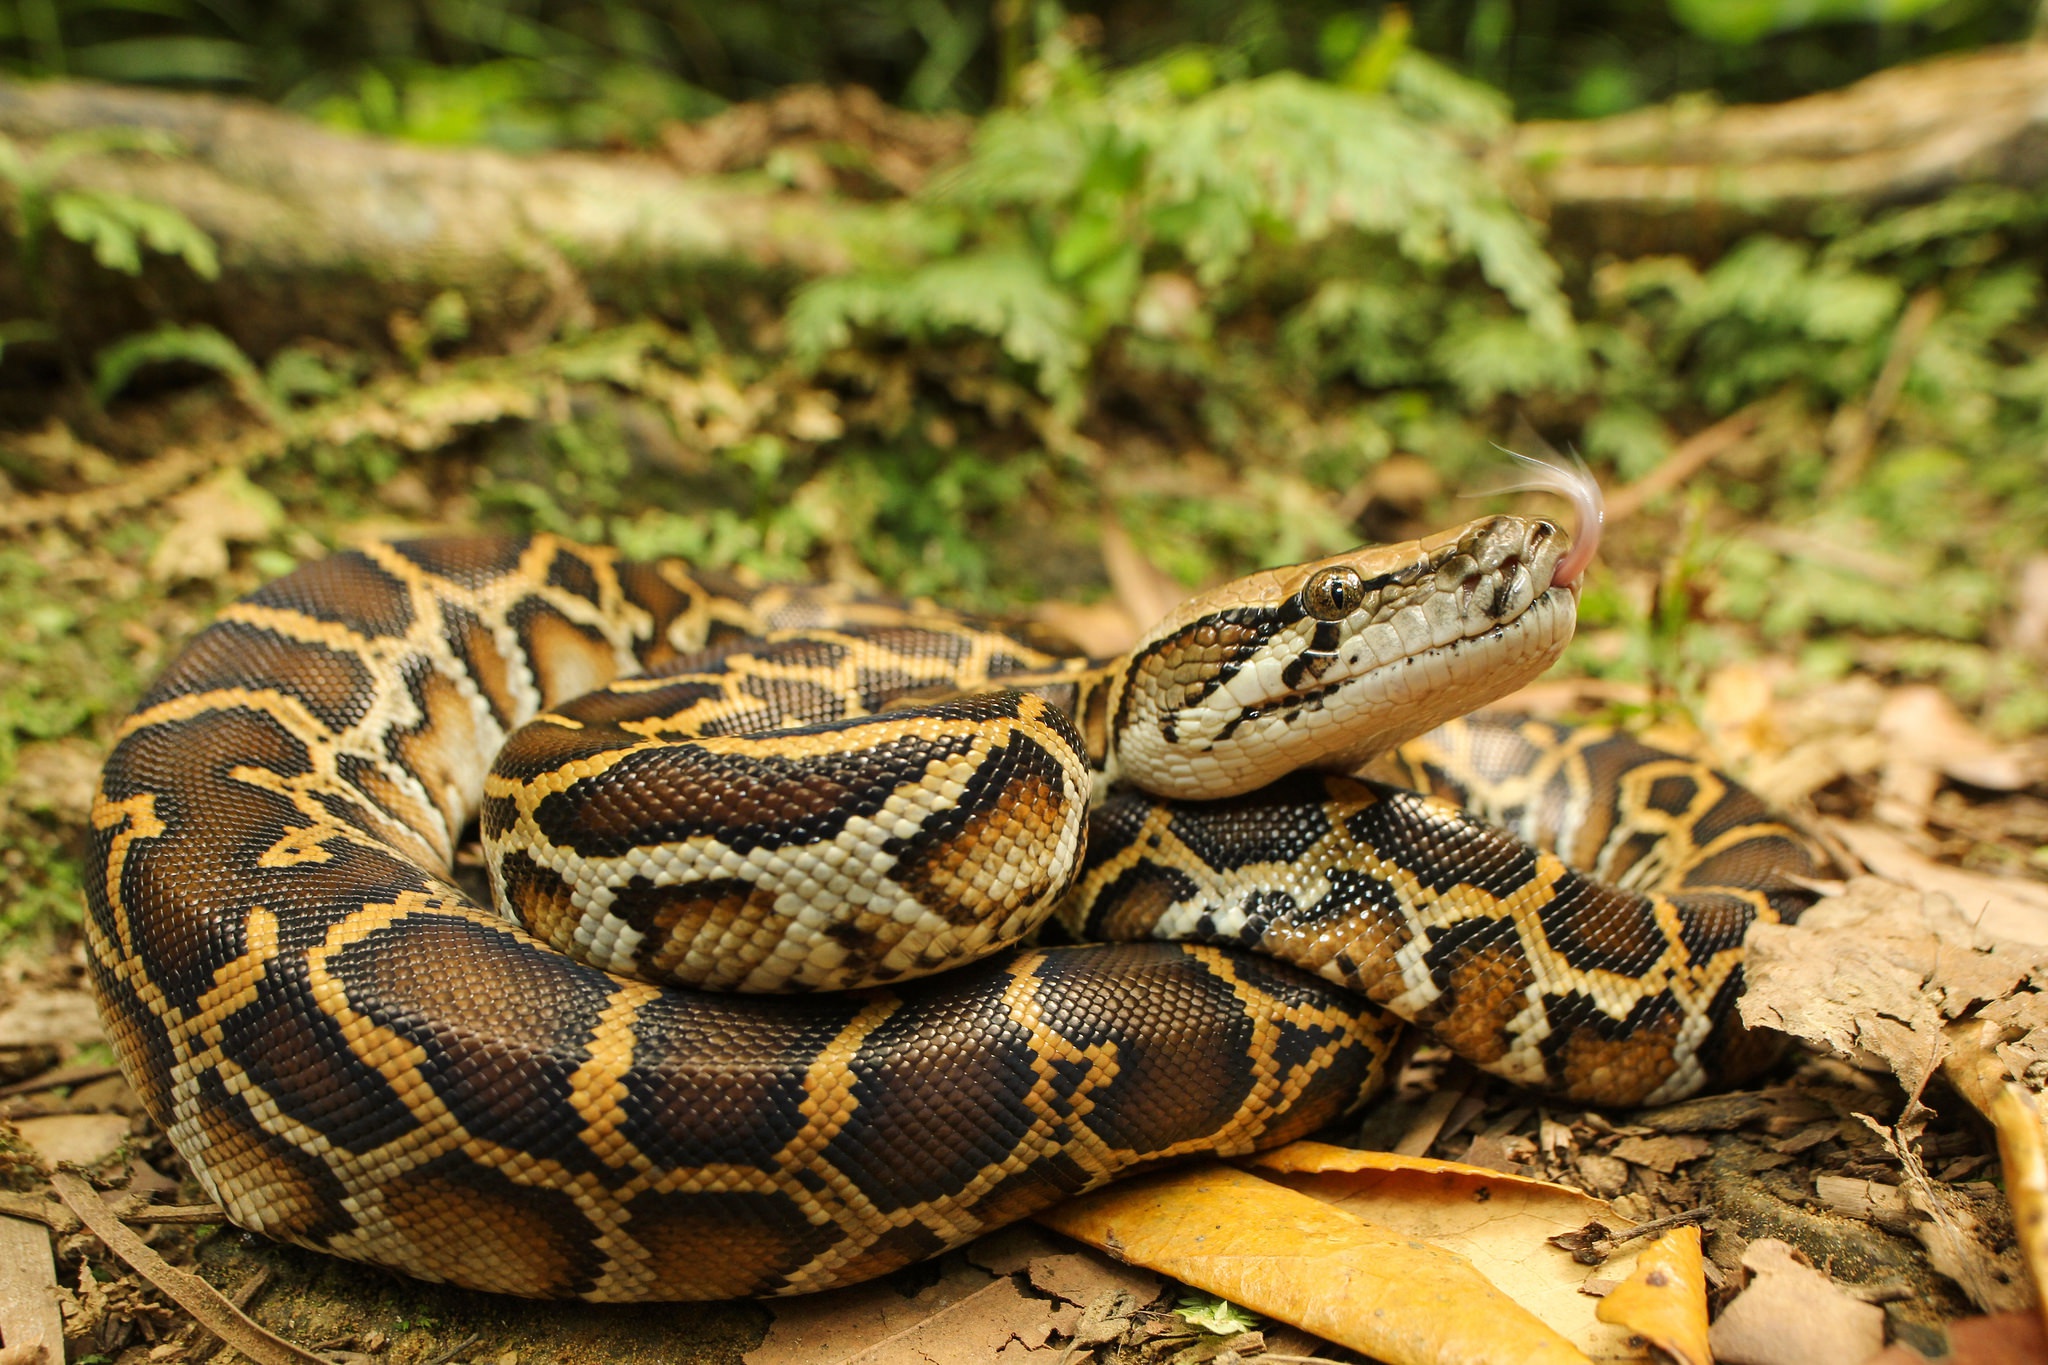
{"x":1333,"y":594}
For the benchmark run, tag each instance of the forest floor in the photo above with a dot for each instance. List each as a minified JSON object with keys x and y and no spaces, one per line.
{"x":1901,"y":1207}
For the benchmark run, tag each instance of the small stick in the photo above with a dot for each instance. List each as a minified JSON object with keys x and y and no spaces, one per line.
{"x":63,"y":1075}
{"x":179,"y":1214}
{"x":205,"y":1303}
{"x":1665,"y":1224}
{"x":1692,"y":455}
{"x":457,"y":1349}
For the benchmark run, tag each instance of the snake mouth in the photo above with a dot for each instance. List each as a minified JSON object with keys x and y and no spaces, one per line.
{"x":1417,"y":690}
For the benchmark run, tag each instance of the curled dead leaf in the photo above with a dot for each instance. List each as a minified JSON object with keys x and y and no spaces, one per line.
{"x":1878,"y":974}
{"x":1506,"y":1225}
{"x":2023,"y":1155}
{"x":1792,"y":1314}
{"x":1288,"y":1256}
{"x":1665,"y":1300}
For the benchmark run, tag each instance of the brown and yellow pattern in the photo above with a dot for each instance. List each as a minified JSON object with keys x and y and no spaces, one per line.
{"x":356,"y":1056}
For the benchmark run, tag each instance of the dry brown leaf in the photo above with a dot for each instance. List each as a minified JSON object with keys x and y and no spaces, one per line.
{"x":40,"y":1016}
{"x":1924,"y":726}
{"x":29,"y":1315}
{"x":2000,"y":1339}
{"x":226,"y":509}
{"x":1665,"y":1301}
{"x":2029,"y":631}
{"x":57,"y":777}
{"x":2023,"y":1157}
{"x":1957,"y":1241}
{"x":1097,"y":629}
{"x":1145,"y":592}
{"x":1284,"y":1254}
{"x":79,"y":1138}
{"x":1878,"y":973}
{"x":997,"y":1323}
{"x":1791,"y":1314}
{"x":824,"y":1329}
{"x":1663,"y":1154}
{"x":1500,"y":1223}
{"x":2003,"y":907}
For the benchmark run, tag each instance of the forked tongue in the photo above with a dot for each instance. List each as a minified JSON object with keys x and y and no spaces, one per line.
{"x":1576,"y":485}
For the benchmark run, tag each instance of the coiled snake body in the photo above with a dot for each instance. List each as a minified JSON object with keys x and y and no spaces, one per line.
{"x":355,"y":1055}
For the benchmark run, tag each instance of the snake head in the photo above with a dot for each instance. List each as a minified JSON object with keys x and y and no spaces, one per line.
{"x":1328,"y":664}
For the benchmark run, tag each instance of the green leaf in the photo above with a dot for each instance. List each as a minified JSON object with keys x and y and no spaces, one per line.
{"x":1490,"y":356}
{"x":1088,"y":239}
{"x":117,"y":226}
{"x":1004,"y":294}
{"x":165,"y":58}
{"x":17,"y":330}
{"x":1740,"y":22}
{"x":114,"y":366}
{"x":1219,"y":1316}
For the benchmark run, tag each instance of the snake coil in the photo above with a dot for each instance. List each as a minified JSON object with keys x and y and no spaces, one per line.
{"x":356,"y":1055}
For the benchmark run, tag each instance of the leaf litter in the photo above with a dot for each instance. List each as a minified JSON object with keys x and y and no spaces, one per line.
{"x":1929,"y":980}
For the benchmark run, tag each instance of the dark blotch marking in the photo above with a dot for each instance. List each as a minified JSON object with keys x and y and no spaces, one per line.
{"x":1276,"y":824}
{"x":1711,"y":922}
{"x":1442,"y":850}
{"x":471,"y":561}
{"x":718,"y":1079}
{"x":334,"y":686}
{"x":538,"y":893}
{"x":300,"y":1198}
{"x":942,"y":1087}
{"x":1673,"y":794}
{"x":525,"y":1015}
{"x":300,"y":1055}
{"x":1598,"y":928}
{"x":726,"y":1244}
{"x":573,"y":574}
{"x":347,"y":589}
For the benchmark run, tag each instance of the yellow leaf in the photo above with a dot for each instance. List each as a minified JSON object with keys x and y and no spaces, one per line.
{"x":1277,"y":1252}
{"x":2023,"y":1155}
{"x":1499,"y":1222}
{"x":1665,"y":1301}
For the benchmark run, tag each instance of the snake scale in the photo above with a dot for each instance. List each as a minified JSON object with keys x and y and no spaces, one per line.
{"x":354,"y":1054}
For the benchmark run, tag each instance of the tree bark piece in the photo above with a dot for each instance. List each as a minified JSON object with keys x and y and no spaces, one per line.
{"x":29,"y":1319}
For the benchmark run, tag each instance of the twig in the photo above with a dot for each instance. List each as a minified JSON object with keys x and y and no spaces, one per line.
{"x":1692,"y":455}
{"x":55,"y":1217}
{"x":63,"y":1075}
{"x":187,"y":1290}
{"x":177,"y":1214}
{"x":457,"y":1349}
{"x":1861,"y":425}
{"x":241,"y":1298}
{"x":1664,"y":1224}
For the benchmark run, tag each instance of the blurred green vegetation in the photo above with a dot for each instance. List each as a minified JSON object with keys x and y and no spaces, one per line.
{"x":1228,"y":278}
{"x":527,"y":73}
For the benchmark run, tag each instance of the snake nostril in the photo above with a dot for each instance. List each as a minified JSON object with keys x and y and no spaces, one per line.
{"x":1541,"y":531}
{"x":1511,"y":564}
{"x":1472,"y":580}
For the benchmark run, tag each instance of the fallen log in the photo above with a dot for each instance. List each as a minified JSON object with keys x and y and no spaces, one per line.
{"x":1691,"y":175}
{"x":330,"y":233}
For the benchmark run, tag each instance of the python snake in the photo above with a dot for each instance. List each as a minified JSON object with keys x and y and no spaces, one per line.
{"x":354,"y":1054}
